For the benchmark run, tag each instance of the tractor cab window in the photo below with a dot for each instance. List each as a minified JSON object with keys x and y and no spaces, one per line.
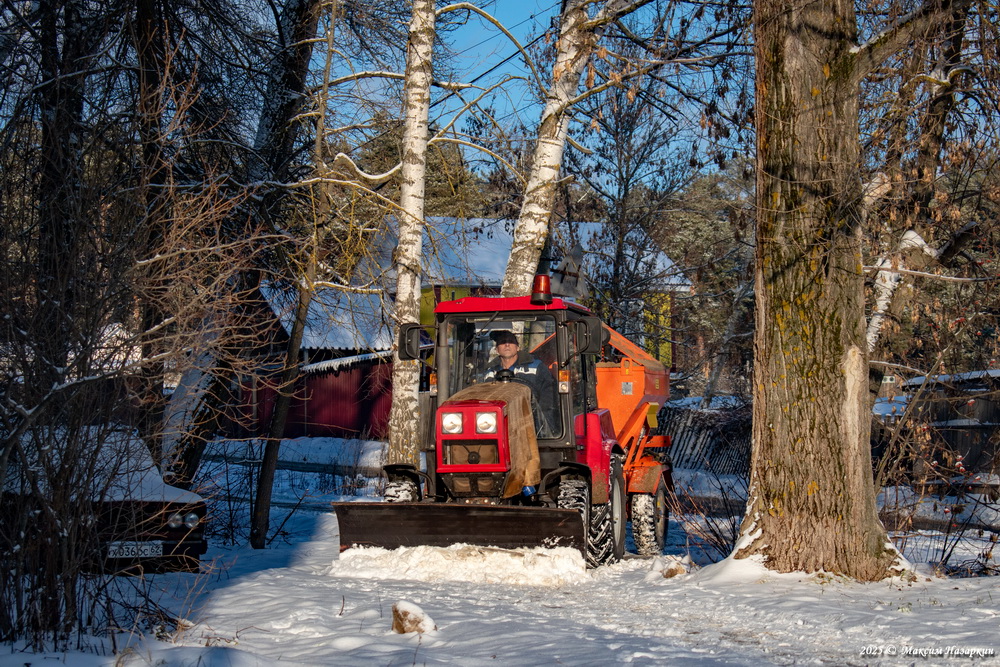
{"x":481,"y":348}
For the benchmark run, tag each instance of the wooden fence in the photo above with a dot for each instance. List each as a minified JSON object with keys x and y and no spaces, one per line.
{"x":711,"y":440}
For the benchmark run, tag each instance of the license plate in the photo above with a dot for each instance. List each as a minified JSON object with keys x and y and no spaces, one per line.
{"x":135,"y":549}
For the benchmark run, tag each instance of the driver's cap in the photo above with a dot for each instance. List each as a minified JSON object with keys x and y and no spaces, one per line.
{"x":503,"y":336}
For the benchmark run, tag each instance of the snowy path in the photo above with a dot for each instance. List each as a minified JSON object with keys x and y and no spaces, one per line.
{"x":311,"y":607}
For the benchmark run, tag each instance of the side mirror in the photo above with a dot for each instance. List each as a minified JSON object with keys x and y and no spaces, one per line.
{"x":409,"y":341}
{"x":590,"y":335}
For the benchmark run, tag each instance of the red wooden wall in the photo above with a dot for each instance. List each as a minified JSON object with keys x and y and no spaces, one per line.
{"x":350,"y":403}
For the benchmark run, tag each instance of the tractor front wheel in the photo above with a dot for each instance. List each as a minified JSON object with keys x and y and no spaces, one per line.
{"x":606,"y":532}
{"x":401,"y":491}
{"x":574,"y":494}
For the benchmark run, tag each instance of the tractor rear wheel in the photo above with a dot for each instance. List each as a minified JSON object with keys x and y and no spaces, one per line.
{"x":606,"y":531}
{"x":649,"y":521}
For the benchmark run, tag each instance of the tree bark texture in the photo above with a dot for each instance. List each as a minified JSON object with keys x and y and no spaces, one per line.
{"x":812,"y":501}
{"x":403,"y":444}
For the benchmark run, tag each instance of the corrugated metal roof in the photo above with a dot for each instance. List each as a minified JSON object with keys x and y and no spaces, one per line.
{"x":660,"y":271}
{"x":474,"y":252}
{"x":993,"y":373}
{"x":337,"y":320}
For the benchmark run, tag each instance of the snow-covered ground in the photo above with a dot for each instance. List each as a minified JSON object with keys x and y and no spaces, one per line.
{"x":304,"y":603}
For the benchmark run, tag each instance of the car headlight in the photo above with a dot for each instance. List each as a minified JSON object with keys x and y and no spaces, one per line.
{"x":175,"y":521}
{"x":451,"y":422}
{"x":191,"y":520}
{"x":486,"y":422}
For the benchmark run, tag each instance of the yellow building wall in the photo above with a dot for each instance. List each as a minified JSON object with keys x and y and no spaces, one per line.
{"x":658,"y":310}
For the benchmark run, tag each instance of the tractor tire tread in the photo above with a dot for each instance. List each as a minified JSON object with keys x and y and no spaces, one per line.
{"x":648,"y":528}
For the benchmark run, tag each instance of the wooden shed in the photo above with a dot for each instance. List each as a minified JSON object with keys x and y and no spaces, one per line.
{"x":957,"y":419}
{"x":344,"y":387}
{"x":347,"y":397}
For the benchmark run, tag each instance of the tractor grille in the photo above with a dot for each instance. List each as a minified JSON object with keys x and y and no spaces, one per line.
{"x":475,"y":484}
{"x":471,"y":452}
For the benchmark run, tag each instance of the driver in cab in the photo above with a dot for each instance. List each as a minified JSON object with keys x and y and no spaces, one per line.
{"x":528,"y":370}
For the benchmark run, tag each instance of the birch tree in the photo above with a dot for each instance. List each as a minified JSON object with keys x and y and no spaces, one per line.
{"x":680,"y":40}
{"x":578,"y":36}
{"x":811,"y":504}
{"x":416,"y":110}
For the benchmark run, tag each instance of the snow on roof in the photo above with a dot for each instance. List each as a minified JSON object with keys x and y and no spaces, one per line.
{"x":913,"y":383}
{"x":888,"y":407}
{"x":456,"y":252}
{"x":337,"y":320}
{"x":474,"y":252}
{"x":466,"y":251}
{"x":344,"y":362}
{"x":663,"y":273}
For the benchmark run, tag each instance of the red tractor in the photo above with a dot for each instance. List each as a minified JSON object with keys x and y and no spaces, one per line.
{"x":543,"y":422}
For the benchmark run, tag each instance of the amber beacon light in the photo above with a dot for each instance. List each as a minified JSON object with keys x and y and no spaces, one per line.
{"x":541,"y":290}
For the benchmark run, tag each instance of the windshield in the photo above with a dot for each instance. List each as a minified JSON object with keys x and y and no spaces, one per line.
{"x":481,"y":347}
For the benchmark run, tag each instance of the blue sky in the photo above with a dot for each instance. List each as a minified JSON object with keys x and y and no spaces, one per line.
{"x":486,"y":55}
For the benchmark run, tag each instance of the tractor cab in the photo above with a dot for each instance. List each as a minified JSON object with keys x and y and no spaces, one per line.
{"x":551,"y":348}
{"x":520,"y":348}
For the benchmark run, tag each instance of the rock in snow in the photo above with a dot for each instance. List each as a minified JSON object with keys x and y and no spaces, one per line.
{"x":408,"y":617}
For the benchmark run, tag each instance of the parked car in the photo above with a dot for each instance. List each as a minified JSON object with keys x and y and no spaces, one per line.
{"x":141,"y":524}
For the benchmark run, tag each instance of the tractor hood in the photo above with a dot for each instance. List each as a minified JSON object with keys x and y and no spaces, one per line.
{"x":525,"y":464}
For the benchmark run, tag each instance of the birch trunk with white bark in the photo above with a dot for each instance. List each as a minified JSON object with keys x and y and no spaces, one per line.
{"x":888,"y":280}
{"x":403,"y":445}
{"x":577,"y":38}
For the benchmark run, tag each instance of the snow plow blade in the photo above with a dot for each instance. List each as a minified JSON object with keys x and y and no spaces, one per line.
{"x":393,"y":525}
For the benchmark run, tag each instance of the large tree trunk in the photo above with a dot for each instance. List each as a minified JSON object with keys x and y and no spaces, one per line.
{"x":812,"y":500}
{"x":403,"y":446}
{"x":150,"y":46}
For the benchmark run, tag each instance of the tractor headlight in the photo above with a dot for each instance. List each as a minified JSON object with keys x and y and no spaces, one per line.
{"x":486,"y":422}
{"x":191,"y":520}
{"x":175,"y":521}
{"x":451,"y":422}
